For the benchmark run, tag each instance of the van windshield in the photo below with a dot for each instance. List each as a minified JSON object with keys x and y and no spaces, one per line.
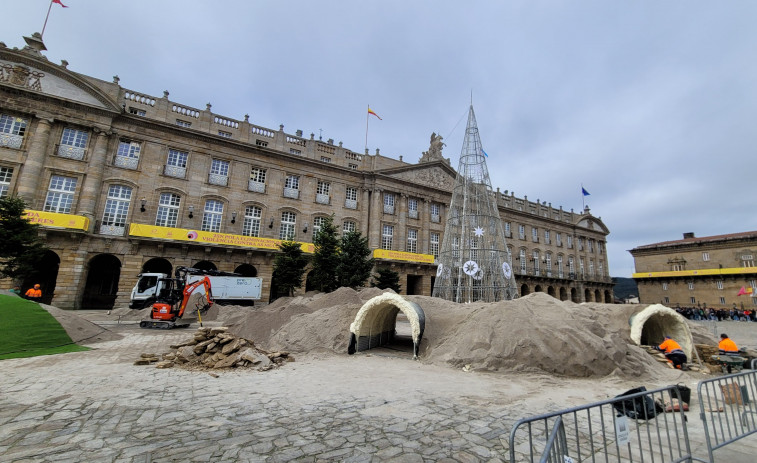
{"x":146,"y":282}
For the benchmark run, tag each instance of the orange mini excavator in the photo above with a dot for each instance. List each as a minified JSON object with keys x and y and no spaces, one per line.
{"x":172,"y":301}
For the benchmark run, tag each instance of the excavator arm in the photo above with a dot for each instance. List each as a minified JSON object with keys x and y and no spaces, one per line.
{"x":190,"y":289}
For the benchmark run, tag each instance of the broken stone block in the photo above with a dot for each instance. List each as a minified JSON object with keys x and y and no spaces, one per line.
{"x":164,"y":364}
{"x":218,"y":330}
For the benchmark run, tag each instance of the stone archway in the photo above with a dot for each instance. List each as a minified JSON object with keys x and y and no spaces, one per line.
{"x":563,"y":294}
{"x":246,"y":270}
{"x":46,"y":275}
{"x":158,"y":265}
{"x":608,"y":297}
{"x":574,"y":295}
{"x":101,"y":288}
{"x":655,"y":321}
{"x":374,"y":323}
{"x":551,"y":291}
{"x":597,"y":295}
{"x":205,"y":265}
{"x":524,"y":290}
{"x":538,"y":289}
{"x":587,"y":295}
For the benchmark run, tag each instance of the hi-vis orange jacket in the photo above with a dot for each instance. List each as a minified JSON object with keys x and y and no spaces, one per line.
{"x":669,"y":346}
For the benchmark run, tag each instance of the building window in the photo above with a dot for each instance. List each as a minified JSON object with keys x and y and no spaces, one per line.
{"x":580,"y":244}
{"x":60,"y":195}
{"x":601,"y":269}
{"x":753,"y":284}
{"x":292,"y":187}
{"x":412,"y":240}
{"x":288,"y":223}
{"x":546,"y":237}
{"x":666,"y":300}
{"x":224,"y":134}
{"x":168,"y":210}
{"x":591,"y":268}
{"x":590,"y":244}
{"x":507,"y":229}
{"x":318,"y":224}
{"x":291,"y":150}
{"x":560,"y":272}
{"x":693,"y":300}
{"x":257,"y":180}
{"x":412,"y":208}
{"x":571,"y":267}
{"x":676,"y":267}
{"x":116,"y":210}
{"x":747,"y":260}
{"x":181,"y":123}
{"x":127,"y":155}
{"x":6,"y":173}
{"x":322,"y":192}
{"x":436,"y":212}
{"x":350,"y":198}
{"x":352,"y":166}
{"x":664,"y":286}
{"x":558,"y":239}
{"x":137,"y":112}
{"x":754,"y":301}
{"x":12,"y":130}
{"x":219,"y":172}
{"x":252,"y":217}
{"x":388,"y":203}
{"x":348,"y":226}
{"x":537,"y":263}
{"x":691,"y":285}
{"x":569,"y":242}
{"x":720,"y":284}
{"x":325,"y":159}
{"x":534,"y":234}
{"x":176,"y":164}
{"x":705,"y":256}
{"x":211,"y":216}
{"x":72,"y":143}
{"x":522,"y":258}
{"x":722,"y":300}
{"x":522,"y":232}
{"x":434,"y":245}
{"x":456,"y":247}
{"x":581,"y":266}
{"x":387,"y":233}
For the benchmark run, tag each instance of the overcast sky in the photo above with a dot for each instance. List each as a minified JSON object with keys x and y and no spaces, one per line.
{"x":651,"y":105}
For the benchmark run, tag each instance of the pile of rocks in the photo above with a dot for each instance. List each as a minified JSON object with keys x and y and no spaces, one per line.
{"x":216,"y":348}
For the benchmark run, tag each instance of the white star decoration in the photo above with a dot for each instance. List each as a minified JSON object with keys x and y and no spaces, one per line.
{"x":478,"y":231}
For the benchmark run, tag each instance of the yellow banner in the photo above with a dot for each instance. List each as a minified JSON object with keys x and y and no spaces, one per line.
{"x":699,"y":272}
{"x":406,"y":256}
{"x":203,"y":237}
{"x":54,"y":219}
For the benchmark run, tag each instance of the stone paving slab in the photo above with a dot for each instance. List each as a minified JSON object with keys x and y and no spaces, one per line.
{"x":98,"y":406}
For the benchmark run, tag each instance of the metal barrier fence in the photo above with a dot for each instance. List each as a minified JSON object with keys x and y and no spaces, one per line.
{"x":634,"y":427}
{"x":727,"y":408}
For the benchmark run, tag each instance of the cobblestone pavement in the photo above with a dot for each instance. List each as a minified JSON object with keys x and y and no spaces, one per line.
{"x":97,"y":406}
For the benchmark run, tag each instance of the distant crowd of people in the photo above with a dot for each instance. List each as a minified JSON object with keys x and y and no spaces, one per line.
{"x":708,"y":313}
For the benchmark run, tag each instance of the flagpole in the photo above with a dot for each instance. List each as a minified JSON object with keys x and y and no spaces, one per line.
{"x":367,"y":116}
{"x":46,"y":17}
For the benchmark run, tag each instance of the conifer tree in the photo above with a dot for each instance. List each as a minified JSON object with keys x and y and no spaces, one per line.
{"x":289,"y":267}
{"x":386,"y":278}
{"x":326,"y":257}
{"x":355,"y":263}
{"x":21,"y":249}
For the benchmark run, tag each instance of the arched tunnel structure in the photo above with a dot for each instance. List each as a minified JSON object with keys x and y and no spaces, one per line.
{"x":652,"y":323}
{"x":374,"y":323}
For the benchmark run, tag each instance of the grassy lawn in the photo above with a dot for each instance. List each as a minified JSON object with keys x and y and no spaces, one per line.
{"x":28,"y":330}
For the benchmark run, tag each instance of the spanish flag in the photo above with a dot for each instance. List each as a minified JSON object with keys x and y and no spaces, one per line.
{"x":370,"y":111}
{"x":744,"y":291}
{"x":59,"y":3}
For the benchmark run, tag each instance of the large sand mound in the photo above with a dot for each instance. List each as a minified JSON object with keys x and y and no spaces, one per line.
{"x":536,"y":333}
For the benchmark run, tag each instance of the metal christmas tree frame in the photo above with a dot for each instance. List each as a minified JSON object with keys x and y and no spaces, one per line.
{"x":474,"y":264}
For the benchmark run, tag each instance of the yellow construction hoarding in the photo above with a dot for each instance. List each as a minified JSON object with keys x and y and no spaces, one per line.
{"x":55,"y":219}
{"x":405,"y":256}
{"x":696,"y":273}
{"x":204,"y":237}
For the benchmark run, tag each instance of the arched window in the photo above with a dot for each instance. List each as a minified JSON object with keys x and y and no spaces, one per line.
{"x":252,"y":217}
{"x":288,"y":223}
{"x":168,"y":210}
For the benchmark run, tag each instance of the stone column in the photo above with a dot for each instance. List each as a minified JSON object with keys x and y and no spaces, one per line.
{"x":365,"y":209}
{"x":92,"y":188}
{"x":377,"y":211}
{"x":401,"y":222}
{"x":423,"y":233}
{"x":31,"y":173}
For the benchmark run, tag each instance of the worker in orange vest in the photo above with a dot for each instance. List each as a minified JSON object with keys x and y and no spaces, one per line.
{"x":34,"y":294}
{"x":673,"y":352}
{"x":726,"y":346}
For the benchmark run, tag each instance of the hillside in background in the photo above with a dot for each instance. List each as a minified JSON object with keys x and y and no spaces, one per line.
{"x":624,"y":287}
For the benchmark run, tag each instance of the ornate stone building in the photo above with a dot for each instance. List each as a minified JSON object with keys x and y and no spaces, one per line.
{"x":698,"y":272}
{"x":124,"y":182}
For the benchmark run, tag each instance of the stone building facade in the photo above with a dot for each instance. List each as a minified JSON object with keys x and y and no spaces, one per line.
{"x":123,"y":182}
{"x":698,"y":272}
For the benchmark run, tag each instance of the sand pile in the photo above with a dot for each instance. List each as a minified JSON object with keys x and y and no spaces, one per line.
{"x":80,"y":331}
{"x":536,"y":333}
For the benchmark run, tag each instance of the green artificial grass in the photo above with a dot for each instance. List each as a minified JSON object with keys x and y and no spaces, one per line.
{"x":28,"y":330}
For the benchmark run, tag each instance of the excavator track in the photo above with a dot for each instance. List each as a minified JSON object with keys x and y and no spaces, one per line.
{"x":162,"y":324}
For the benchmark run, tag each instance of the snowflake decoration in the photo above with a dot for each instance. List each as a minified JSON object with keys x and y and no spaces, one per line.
{"x":478,"y":231}
{"x":470,"y":267}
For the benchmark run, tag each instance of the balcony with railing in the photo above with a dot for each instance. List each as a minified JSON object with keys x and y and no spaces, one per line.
{"x":71,"y":152}
{"x":174,"y":171}
{"x":388,"y":208}
{"x":257,"y":187}
{"x":412,"y":214}
{"x":127,"y":162}
{"x":350,"y":203}
{"x":436,"y":218}
{"x":112,"y":230}
{"x":8,"y":140}
{"x":218,"y":179}
{"x":292,"y":193}
{"x":322,"y":198}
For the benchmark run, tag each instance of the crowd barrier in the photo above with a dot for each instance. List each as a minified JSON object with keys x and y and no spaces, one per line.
{"x":634,"y":427}
{"x":727,"y":409}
